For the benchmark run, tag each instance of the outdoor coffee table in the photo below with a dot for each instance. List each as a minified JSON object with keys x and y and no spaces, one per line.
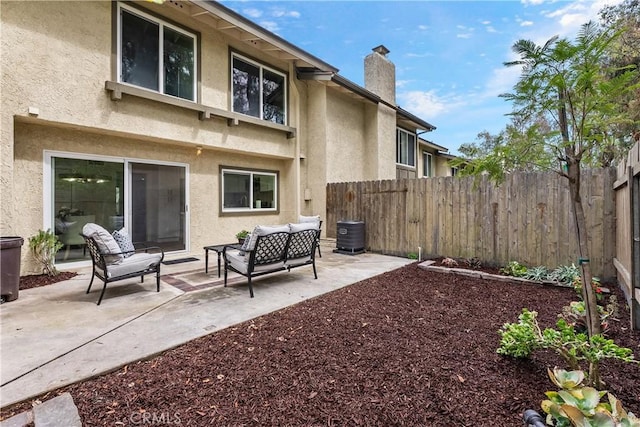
{"x":218,"y":249}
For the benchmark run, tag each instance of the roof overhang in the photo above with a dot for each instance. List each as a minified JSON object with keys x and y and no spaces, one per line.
{"x":433,"y":146}
{"x":240,"y":28}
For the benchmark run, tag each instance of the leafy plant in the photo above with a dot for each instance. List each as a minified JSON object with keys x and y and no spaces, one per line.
{"x":575,"y":314}
{"x":580,"y":405}
{"x":523,"y":338}
{"x":537,"y":274}
{"x":44,"y":245}
{"x":565,"y":274}
{"x":412,"y":255}
{"x":474,"y":263}
{"x":514,"y":268}
{"x":242,"y":234}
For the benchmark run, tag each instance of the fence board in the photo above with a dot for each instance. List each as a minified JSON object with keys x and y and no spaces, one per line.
{"x":527,"y":218}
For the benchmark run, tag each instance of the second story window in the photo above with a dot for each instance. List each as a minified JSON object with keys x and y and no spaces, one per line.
{"x":405,"y":148}
{"x":258,"y":91}
{"x":156,"y":55}
{"x":427,"y":159}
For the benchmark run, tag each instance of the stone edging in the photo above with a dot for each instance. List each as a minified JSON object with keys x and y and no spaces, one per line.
{"x":429,"y":266}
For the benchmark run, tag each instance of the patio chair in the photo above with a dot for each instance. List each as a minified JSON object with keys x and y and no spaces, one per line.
{"x":316,"y":218}
{"x":112,"y":262}
{"x":266,"y":253}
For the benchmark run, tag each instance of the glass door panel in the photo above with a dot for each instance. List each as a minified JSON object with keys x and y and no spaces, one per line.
{"x":158,"y":205}
{"x":85,"y":191}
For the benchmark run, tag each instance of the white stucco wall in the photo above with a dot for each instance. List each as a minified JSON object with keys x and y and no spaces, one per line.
{"x":56,"y":58}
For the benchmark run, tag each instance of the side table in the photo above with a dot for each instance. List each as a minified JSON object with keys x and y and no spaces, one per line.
{"x":218,"y":249}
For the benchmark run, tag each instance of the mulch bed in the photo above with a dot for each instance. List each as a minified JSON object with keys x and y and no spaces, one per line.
{"x":405,"y":348}
{"x":37,"y":280}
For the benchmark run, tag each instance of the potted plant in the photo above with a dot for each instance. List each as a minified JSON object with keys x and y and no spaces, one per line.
{"x":241,"y":235}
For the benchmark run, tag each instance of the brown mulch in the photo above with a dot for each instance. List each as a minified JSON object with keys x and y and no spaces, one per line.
{"x":405,"y":348}
{"x":37,"y":280}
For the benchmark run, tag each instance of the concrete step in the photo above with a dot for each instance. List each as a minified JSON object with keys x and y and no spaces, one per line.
{"x":56,"y":412}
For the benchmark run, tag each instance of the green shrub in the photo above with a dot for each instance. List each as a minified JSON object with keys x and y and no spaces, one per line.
{"x":578,"y":405}
{"x":514,"y":268}
{"x":44,"y":245}
{"x":523,"y":338}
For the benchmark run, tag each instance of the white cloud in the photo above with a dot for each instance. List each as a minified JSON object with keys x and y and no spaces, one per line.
{"x":419,"y":55}
{"x":426,"y":104}
{"x":463,"y":35}
{"x":423,"y":27}
{"x":501,"y":81}
{"x":270,"y":25}
{"x":252,"y":13}
{"x":285,"y":14}
{"x":526,"y":23}
{"x":490,"y":29}
{"x":573,"y":14}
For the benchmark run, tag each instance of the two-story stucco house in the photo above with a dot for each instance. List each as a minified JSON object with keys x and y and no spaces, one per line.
{"x":181,"y":121}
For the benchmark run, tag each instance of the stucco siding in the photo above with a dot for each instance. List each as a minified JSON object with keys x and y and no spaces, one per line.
{"x":345,"y":138}
{"x":207,"y":227}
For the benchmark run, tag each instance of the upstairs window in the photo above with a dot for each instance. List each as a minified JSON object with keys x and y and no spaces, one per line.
{"x":405,"y":148}
{"x":427,"y":159}
{"x":156,"y":55}
{"x":258,"y":91}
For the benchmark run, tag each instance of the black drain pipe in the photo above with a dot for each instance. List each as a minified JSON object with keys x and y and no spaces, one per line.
{"x":533,"y":419}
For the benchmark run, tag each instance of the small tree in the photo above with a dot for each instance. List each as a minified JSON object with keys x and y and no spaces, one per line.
{"x":567,"y":102}
{"x":44,"y":247}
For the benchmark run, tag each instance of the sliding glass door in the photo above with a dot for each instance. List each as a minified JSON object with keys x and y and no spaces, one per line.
{"x":147,"y":199}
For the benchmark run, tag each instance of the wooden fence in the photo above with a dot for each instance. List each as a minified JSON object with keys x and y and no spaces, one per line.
{"x":627,"y":257}
{"x":527,"y":218}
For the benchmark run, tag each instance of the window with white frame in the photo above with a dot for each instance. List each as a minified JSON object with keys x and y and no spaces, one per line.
{"x":405,"y":148}
{"x":427,"y":160}
{"x":245,"y":190}
{"x":156,"y":55}
{"x":454,"y":171}
{"x":258,"y":91}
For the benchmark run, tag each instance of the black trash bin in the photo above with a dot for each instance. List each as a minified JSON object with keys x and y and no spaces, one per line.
{"x":10,"y":248}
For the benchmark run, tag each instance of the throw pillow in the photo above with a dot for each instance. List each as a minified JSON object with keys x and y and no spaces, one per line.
{"x":123,"y":240}
{"x":105,"y":241}
{"x":245,"y":244}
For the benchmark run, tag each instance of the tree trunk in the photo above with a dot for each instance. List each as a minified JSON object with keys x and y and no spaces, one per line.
{"x":588,"y":293}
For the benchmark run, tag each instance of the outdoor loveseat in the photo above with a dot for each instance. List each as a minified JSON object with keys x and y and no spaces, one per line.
{"x":115,"y":258}
{"x":273,"y":248}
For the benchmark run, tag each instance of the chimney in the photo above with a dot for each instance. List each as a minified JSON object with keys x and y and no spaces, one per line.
{"x":380,"y":74}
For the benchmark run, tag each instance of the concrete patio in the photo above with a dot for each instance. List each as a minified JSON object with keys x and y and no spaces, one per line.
{"x":56,"y":335}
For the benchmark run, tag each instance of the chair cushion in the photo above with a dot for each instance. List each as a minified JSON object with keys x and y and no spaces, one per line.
{"x":238,"y":262}
{"x":245,"y":244}
{"x":123,"y":240}
{"x":105,"y":241}
{"x":263,"y":230}
{"x":136,"y":262}
{"x":314,"y":218}
{"x":294,"y":228}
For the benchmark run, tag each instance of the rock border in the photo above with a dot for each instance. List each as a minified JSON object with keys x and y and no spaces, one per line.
{"x":429,"y":266}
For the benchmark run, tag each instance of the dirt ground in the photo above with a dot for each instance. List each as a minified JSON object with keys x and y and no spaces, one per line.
{"x":406,"y":348}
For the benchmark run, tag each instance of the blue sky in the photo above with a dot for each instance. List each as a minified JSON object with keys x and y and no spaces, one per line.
{"x":448,"y":55}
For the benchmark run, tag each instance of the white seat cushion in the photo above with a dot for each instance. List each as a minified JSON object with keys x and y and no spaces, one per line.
{"x":105,"y":241}
{"x":314,"y":218}
{"x":136,"y":262}
{"x":241,"y":265}
{"x":294,"y":228}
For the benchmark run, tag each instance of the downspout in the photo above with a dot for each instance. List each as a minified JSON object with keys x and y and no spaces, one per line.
{"x":295,"y":101}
